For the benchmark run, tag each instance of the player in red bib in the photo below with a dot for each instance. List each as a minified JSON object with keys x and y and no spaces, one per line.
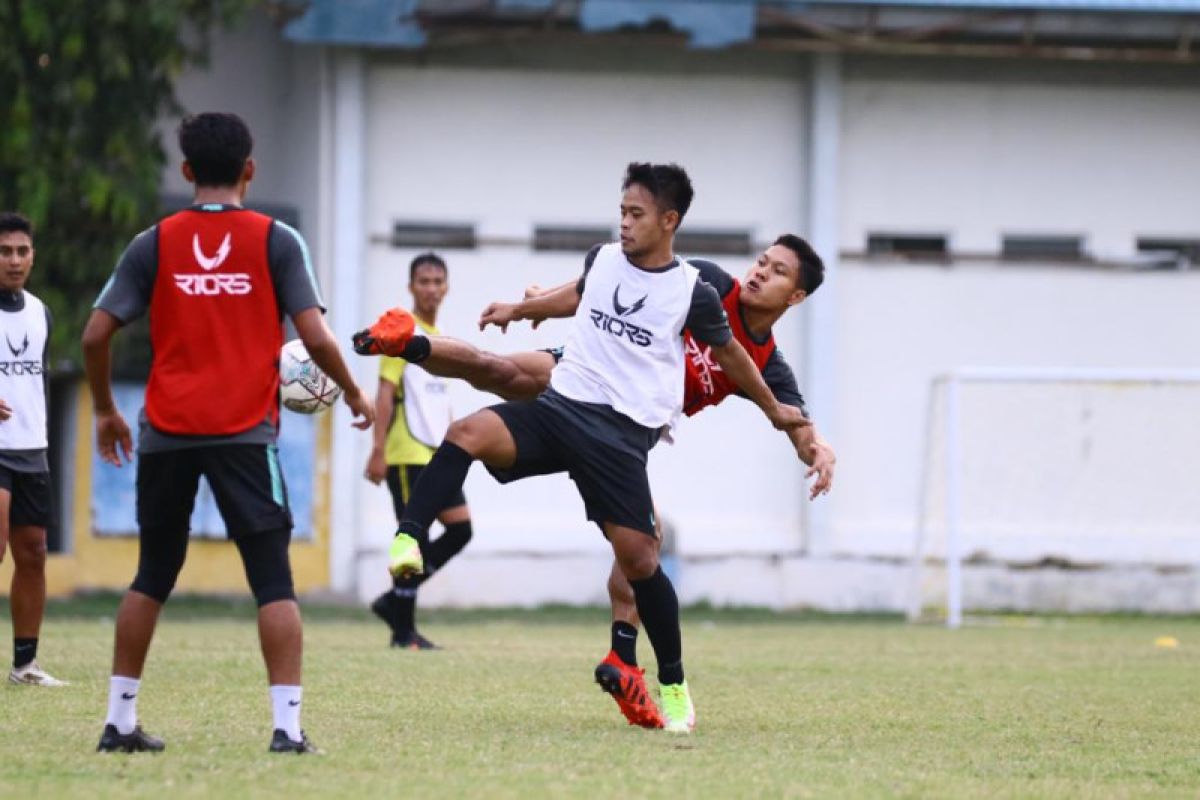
{"x":783,"y":276}
{"x":217,"y":281}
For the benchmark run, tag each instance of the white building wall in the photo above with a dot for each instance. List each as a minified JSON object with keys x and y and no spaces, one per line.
{"x":508,"y":149}
{"x":900,"y":326}
{"x":971,"y":152}
{"x":1002,"y":152}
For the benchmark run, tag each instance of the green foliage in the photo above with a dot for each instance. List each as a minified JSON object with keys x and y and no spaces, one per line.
{"x":82,"y":84}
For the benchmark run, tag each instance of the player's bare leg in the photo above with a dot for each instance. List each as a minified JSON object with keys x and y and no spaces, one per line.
{"x":620,"y":593}
{"x":639,"y":585}
{"x":281,"y":634}
{"x":519,"y":376}
{"x":27,"y":600}
{"x":136,"y":619}
{"x":618,"y":674}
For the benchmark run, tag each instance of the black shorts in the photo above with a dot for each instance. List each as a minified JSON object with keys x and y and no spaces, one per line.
{"x":401,"y":478}
{"x":602,"y":451}
{"x":246,"y":482}
{"x":32,"y":498}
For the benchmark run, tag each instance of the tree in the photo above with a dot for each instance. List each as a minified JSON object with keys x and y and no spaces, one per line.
{"x":82,"y":85}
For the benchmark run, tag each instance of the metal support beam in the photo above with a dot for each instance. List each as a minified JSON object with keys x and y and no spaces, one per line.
{"x":820,"y":374}
{"x":347,"y":190}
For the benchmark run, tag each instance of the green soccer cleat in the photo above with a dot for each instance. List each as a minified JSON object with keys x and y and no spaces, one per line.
{"x":404,"y":557}
{"x":679,"y":715}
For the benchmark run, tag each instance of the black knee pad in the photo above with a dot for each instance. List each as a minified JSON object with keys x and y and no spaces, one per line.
{"x":268,"y":570}
{"x":161,"y":553}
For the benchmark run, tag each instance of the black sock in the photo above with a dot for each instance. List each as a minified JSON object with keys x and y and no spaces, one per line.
{"x":624,"y":642}
{"x":448,"y":545}
{"x":24,"y":651}
{"x":658,"y":607}
{"x":441,"y":479}
{"x":417,"y":350}
{"x":405,"y":592}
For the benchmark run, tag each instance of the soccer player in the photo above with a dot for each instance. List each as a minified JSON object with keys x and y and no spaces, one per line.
{"x":25,"y":508}
{"x":782,"y":277}
{"x":618,"y":385}
{"x":216,"y":280}
{"x":417,"y":405}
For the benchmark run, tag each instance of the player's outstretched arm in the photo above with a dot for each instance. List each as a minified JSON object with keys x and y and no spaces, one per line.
{"x":322,"y":346}
{"x":113,"y":438}
{"x":815,"y":452}
{"x":741,"y":369}
{"x":534,"y":290}
{"x":557,"y":303}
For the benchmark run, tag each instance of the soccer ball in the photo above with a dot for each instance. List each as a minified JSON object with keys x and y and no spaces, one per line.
{"x":303,"y":387}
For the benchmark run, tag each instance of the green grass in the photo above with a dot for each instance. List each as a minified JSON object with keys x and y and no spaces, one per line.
{"x":789,"y":706}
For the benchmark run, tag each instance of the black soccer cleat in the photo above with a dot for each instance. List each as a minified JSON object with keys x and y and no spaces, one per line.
{"x":281,"y":743}
{"x":413,"y":641}
{"x":137,"y":741}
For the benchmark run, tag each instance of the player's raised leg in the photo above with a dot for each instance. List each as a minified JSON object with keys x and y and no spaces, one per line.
{"x":517,"y":376}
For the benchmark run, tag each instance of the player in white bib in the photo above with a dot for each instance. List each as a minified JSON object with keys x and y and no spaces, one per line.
{"x":618,"y":386}
{"x":25,"y":495}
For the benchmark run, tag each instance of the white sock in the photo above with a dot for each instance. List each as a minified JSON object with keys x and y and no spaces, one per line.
{"x":285,"y":702}
{"x":122,"y":703}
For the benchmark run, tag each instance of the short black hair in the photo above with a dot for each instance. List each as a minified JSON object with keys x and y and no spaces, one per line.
{"x":216,"y":145}
{"x":422,"y":260}
{"x":11,"y":221}
{"x":812,"y":268}
{"x":669,"y":184}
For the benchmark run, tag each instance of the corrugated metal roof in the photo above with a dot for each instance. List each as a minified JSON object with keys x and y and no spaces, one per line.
{"x":708,"y":23}
{"x":362,"y":23}
{"x":1103,"y":6}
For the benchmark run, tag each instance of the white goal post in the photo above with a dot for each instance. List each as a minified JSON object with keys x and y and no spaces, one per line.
{"x":1024,"y":466}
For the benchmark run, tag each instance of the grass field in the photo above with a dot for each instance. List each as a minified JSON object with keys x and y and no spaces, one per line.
{"x":789,"y":706}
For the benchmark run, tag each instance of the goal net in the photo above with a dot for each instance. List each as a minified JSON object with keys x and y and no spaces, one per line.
{"x":1069,"y":468}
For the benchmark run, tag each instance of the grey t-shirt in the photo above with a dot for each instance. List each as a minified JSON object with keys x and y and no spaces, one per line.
{"x":28,"y":460}
{"x":128,"y":292}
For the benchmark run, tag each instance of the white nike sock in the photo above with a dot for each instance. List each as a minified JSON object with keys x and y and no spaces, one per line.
{"x":122,"y":703}
{"x":285,"y":702}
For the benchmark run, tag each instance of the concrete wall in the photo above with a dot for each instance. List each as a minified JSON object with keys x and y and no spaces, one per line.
{"x":977,"y":150}
{"x":508,"y":137}
{"x":507,"y":149}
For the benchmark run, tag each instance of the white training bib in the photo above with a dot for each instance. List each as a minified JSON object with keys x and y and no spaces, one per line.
{"x":22,"y":378}
{"x":426,"y":405}
{"x":625,"y":349}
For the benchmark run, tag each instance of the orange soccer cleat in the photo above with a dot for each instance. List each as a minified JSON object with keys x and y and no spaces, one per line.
{"x":388,"y":336}
{"x":627,"y":685}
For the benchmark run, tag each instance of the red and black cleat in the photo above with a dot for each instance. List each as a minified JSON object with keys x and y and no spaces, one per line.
{"x":388,"y":336}
{"x":627,"y":685}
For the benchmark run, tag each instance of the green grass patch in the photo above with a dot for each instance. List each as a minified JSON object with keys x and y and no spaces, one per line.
{"x":789,"y":706}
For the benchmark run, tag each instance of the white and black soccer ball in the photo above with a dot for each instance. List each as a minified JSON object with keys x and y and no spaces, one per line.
{"x":303,"y":387}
